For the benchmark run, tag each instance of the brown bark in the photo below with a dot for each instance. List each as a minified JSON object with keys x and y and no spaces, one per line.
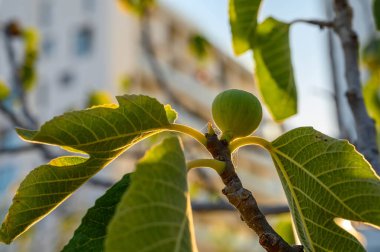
{"x":244,"y":201}
{"x":364,"y":125}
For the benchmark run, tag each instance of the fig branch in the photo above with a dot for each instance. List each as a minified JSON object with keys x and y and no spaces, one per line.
{"x":222,"y":205}
{"x":321,"y":23}
{"x":244,"y":201}
{"x":365,"y":126}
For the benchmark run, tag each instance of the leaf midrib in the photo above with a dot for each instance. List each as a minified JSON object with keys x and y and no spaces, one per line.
{"x":286,"y":177}
{"x":181,"y":233}
{"x":151,"y":130}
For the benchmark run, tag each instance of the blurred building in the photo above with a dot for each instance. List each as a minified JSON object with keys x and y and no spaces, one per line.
{"x":91,"y":45}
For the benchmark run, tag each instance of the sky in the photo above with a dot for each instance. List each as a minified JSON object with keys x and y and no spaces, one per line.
{"x":308,"y":44}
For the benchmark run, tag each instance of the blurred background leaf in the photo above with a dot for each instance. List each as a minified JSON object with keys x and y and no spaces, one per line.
{"x":96,"y":98}
{"x":4,"y":91}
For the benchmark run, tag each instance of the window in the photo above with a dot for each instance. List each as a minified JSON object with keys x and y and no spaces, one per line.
{"x":66,"y":78}
{"x":84,"y":41}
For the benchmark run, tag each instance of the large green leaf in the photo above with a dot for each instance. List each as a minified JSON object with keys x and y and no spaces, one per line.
{"x":90,"y":235}
{"x":243,"y":21}
{"x":376,"y":12}
{"x":155,"y":214}
{"x":325,"y":178}
{"x":101,"y":132}
{"x":274,"y":70}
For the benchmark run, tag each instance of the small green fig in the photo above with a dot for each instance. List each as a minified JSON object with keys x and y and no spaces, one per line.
{"x":237,"y":113}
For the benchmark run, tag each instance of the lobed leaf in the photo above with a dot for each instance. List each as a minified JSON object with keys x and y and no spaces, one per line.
{"x":44,"y":189}
{"x":324,"y":179}
{"x":274,"y":70}
{"x":105,"y":130}
{"x":155,"y":214}
{"x":101,"y":132}
{"x":91,"y":233}
{"x":243,"y":21}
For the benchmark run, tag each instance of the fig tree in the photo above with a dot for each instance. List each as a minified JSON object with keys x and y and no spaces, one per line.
{"x":237,"y":113}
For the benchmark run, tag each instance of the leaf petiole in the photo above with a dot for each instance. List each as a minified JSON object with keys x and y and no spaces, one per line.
{"x":188,"y":131}
{"x":217,"y":165}
{"x":249,"y":140}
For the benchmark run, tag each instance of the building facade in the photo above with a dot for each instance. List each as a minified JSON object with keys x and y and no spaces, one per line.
{"x":91,"y":45}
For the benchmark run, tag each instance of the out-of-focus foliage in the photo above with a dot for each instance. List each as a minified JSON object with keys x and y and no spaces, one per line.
{"x":371,"y":55}
{"x":199,"y":47}
{"x":28,"y":71}
{"x":371,"y":89}
{"x":371,"y":92}
{"x":4,"y":91}
{"x":376,"y":12}
{"x":136,"y":6}
{"x":98,"y":98}
{"x":126,"y":82}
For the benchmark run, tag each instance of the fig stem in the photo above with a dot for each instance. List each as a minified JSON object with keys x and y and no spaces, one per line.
{"x":249,"y":140}
{"x":217,"y":165}
{"x":188,"y":131}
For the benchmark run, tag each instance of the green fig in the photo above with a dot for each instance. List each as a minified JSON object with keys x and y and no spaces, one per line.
{"x":237,"y":113}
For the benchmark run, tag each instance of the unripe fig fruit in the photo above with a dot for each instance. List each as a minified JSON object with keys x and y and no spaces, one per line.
{"x":237,"y":113}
